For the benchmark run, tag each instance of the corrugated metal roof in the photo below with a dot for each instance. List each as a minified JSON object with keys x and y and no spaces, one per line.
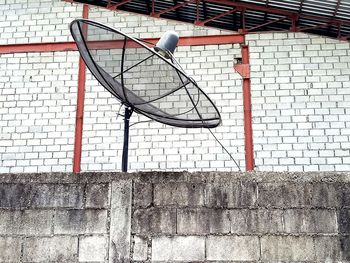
{"x":324,"y":17}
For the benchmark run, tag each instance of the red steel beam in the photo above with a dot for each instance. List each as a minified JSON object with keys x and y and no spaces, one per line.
{"x":202,"y":23}
{"x":107,"y":44}
{"x":152,"y":14}
{"x":267,"y":23}
{"x":80,"y":107}
{"x":211,"y":40}
{"x":313,"y":27}
{"x":276,"y":11}
{"x":38,"y":47}
{"x":197,"y":10}
{"x":244,"y":71}
{"x":248,"y":130}
{"x":174,"y":7}
{"x":111,"y":6}
{"x":293,"y":16}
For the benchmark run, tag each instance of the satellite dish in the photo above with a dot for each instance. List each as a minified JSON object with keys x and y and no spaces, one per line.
{"x":146,"y":78}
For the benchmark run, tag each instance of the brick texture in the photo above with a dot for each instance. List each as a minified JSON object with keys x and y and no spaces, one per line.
{"x":299,"y":96}
{"x":300,"y":87}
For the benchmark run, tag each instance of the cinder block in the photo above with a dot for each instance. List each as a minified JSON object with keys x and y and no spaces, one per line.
{"x":203,"y":221}
{"x":25,"y":222}
{"x":287,"y":248}
{"x":10,"y":248}
{"x":345,"y":248}
{"x":328,"y":249}
{"x":233,"y":248}
{"x":310,"y":221}
{"x":344,"y":221}
{"x":14,"y":195}
{"x":78,"y":221}
{"x":284,"y":195}
{"x":180,"y":194}
{"x":140,"y":249}
{"x":154,"y":220}
{"x":143,"y":194}
{"x":179,"y":248}
{"x":92,"y":248}
{"x":97,"y":195}
{"x":326,"y":195}
{"x":262,"y":221}
{"x":40,"y":195}
{"x":231,"y":195}
{"x":51,"y":249}
{"x":345,"y":195}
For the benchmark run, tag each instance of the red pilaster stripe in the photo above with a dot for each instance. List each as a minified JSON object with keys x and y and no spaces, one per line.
{"x":80,"y":109}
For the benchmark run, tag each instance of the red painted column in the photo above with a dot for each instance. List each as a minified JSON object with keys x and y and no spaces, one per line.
{"x":80,"y":108}
{"x":247,"y":105}
{"x":244,"y":70}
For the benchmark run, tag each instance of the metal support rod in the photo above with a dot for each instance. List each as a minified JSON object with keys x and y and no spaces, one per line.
{"x":127,"y":115}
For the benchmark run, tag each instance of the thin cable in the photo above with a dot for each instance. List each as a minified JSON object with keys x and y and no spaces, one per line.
{"x":223,"y":147}
{"x":200,"y":116}
{"x":121,"y":105}
{"x":140,"y":122}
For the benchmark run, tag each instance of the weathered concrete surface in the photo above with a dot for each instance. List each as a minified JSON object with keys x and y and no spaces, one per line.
{"x":50,"y":249}
{"x":183,"y":217}
{"x":178,"y":248}
{"x":230,"y":248}
{"x":10,"y":248}
{"x":287,"y":248}
{"x":120,"y":227}
{"x":92,"y":249}
{"x":79,"y":221}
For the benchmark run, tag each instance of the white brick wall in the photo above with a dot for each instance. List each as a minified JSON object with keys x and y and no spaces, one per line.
{"x":154,"y":146}
{"x":300,"y":102}
{"x":52,"y":77}
{"x":300,"y":94}
{"x":37,"y":111}
{"x":29,"y":21}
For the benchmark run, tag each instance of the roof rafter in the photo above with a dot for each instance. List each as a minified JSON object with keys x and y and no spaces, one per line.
{"x":267,"y":23}
{"x":245,"y":16}
{"x":186,"y":2}
{"x":116,"y":5}
{"x":202,"y":23}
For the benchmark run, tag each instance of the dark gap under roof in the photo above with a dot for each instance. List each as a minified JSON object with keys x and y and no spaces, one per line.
{"x":323,"y":17}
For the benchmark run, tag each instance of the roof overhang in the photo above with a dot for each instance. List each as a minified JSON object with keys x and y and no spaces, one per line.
{"x":323,"y":17}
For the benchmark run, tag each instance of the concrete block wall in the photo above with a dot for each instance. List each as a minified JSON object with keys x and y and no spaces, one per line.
{"x":299,"y":94}
{"x":183,"y":217}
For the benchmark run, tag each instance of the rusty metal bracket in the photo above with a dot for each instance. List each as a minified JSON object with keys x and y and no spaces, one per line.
{"x":243,"y":70}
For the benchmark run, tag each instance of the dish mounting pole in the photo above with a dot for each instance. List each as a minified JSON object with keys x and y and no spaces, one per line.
{"x":127,"y":115}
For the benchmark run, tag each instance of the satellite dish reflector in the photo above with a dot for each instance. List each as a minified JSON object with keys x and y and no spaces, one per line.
{"x":146,"y":78}
{"x":167,"y":43}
